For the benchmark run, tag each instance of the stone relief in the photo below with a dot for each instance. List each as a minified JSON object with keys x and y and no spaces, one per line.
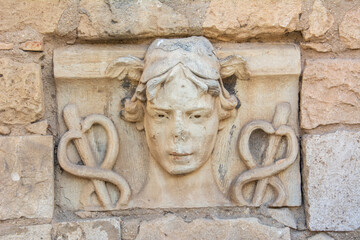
{"x":188,"y":126}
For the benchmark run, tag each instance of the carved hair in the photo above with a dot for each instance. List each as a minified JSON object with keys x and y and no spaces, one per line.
{"x":194,"y":56}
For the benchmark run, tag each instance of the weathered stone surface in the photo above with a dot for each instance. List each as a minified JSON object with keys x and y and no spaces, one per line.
{"x":130,"y":229}
{"x":320,"y":47}
{"x":173,"y":227}
{"x":116,"y":19}
{"x":6,"y":46}
{"x":330,"y":92}
{"x":33,"y":46}
{"x":38,"y":127}
{"x":320,"y":236}
{"x":349,"y":29}
{"x":33,"y":232}
{"x":96,"y":229}
{"x":331,"y":174}
{"x":284,"y":216}
{"x":42,"y":16}
{"x":4,"y":130}
{"x":320,"y":21}
{"x":26,"y":176}
{"x":21,"y":99}
{"x":236,"y":20}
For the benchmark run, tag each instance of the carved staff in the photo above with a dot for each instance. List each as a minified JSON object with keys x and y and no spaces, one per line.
{"x":97,"y":174}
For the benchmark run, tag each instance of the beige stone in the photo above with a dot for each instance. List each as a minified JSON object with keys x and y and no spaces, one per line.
{"x":4,"y":130}
{"x":331,"y":175}
{"x":22,"y":98}
{"x":33,"y":46}
{"x":108,"y":74}
{"x":321,"y":236}
{"x":320,"y":47}
{"x":173,"y":227}
{"x":40,"y":15}
{"x":128,"y":19}
{"x":6,"y":46}
{"x":330,"y":92}
{"x":320,"y":21}
{"x":238,"y":20}
{"x":130,"y":229}
{"x":38,"y":127}
{"x":284,"y":216}
{"x":349,"y":30}
{"x":26,"y":176}
{"x":33,"y":232}
{"x":95,"y":229}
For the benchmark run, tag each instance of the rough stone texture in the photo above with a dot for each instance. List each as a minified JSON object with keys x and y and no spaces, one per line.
{"x":6,"y":46}
{"x":34,"y":232}
{"x":130,"y":229}
{"x":34,"y":46}
{"x":349,"y":29}
{"x":320,"y":21}
{"x":21,"y":99}
{"x":116,"y":19}
{"x":284,"y":216}
{"x":331,"y":175}
{"x":40,"y":15}
{"x":320,"y":236}
{"x":26,"y":177}
{"x":320,"y":47}
{"x":4,"y":130}
{"x":38,"y":127}
{"x":330,"y":92}
{"x":236,"y":20}
{"x":173,"y":227}
{"x":96,"y":229}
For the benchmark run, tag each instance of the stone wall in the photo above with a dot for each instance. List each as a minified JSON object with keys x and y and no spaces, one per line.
{"x":328,"y":34}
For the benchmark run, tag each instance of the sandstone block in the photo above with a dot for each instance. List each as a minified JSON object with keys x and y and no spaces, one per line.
{"x":42,"y":16}
{"x":34,"y":232}
{"x":130,"y":18}
{"x":33,"y":46}
{"x":236,"y":20}
{"x":331,"y":175}
{"x":349,"y":30}
{"x":330,"y":92}
{"x":96,"y":229}
{"x":284,"y":216}
{"x":320,"y":21}
{"x":320,"y":47}
{"x":173,"y":227}
{"x":26,"y":177}
{"x":320,"y":236}
{"x":22,"y":98}
{"x":6,"y":46}
{"x":38,"y":127}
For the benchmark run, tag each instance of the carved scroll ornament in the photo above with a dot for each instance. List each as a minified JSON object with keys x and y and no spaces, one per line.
{"x":98,"y":174}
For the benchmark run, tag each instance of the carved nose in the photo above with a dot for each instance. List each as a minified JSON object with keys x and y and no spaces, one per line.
{"x":180,"y":132}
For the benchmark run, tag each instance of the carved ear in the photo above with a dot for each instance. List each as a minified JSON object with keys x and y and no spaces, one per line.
{"x":234,"y":65}
{"x":130,"y":66}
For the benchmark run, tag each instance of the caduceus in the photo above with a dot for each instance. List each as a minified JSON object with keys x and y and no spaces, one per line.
{"x":265,"y":174}
{"x":98,"y":173}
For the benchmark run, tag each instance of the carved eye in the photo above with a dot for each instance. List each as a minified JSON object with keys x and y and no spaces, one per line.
{"x":160,"y":115}
{"x":197,"y":116}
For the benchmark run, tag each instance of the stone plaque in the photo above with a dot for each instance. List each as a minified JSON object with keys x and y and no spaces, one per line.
{"x":179,"y":123}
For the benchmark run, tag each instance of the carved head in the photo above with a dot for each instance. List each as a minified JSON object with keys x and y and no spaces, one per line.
{"x":180,"y":99}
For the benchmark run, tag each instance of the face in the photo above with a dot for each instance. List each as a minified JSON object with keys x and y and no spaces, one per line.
{"x":181,"y":125}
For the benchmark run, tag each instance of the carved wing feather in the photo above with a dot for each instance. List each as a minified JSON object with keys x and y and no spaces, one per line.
{"x":234,"y":65}
{"x":125,"y":66}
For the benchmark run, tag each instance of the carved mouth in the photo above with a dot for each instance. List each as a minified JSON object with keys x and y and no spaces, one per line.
{"x":176,"y":154}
